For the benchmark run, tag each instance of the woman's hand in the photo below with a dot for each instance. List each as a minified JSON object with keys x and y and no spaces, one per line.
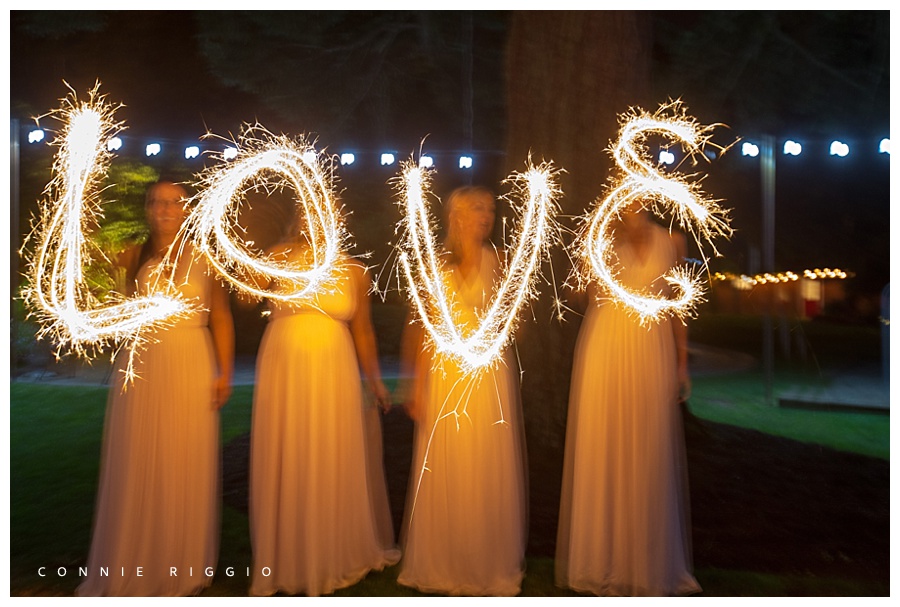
{"x":413,"y":409}
{"x":382,"y":396}
{"x":406,"y":394}
{"x":684,"y":383}
{"x":221,"y":391}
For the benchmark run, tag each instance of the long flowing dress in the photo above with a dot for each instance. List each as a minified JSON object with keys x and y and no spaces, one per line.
{"x":157,"y":515}
{"x":465,"y":527}
{"x":316,"y":507}
{"x":624,"y":515}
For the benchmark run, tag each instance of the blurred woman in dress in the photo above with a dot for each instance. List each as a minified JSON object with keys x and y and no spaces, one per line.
{"x":156,"y":523}
{"x":624,"y":525}
{"x":465,"y":524}
{"x":319,"y":514}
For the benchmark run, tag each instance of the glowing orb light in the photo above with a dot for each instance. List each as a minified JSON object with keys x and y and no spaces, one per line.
{"x":839,"y":148}
{"x":420,"y":260}
{"x":643,"y":185}
{"x":57,"y":292}
{"x":749,"y":149}
{"x":270,"y":162}
{"x":792,"y":148}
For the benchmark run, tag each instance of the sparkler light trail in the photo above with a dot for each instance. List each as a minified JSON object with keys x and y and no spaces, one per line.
{"x":268,"y":161}
{"x":471,"y":352}
{"x":424,"y":271}
{"x":644,"y":185}
{"x":57,"y":293}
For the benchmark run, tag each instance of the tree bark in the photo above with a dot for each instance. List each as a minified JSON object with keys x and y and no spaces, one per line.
{"x":570,"y":74}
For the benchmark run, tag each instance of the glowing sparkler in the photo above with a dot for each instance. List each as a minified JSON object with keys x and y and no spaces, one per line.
{"x":643,"y":185}
{"x":424,"y":271}
{"x":268,"y":161}
{"x":57,"y":292}
{"x":482,"y":346}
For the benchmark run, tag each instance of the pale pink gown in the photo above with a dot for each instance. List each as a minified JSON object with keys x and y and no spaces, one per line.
{"x":624,"y":516}
{"x":156,"y":522}
{"x":465,"y":522}
{"x":319,"y":515}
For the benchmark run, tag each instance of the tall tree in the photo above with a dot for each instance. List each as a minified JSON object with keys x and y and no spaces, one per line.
{"x":570,"y":73}
{"x":820,"y":72}
{"x":364,"y":76}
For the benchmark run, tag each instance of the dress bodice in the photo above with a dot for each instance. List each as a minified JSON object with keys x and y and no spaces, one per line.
{"x":193,"y":281}
{"x":643,"y":272}
{"x":471,"y":295}
{"x":337,"y":300}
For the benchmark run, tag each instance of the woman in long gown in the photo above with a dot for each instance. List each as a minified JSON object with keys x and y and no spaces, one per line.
{"x":157,"y":514}
{"x":465,"y":523}
{"x":624,"y":516}
{"x":319,"y":515}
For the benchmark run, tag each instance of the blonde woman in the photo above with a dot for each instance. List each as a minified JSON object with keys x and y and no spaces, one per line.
{"x":465,"y":526}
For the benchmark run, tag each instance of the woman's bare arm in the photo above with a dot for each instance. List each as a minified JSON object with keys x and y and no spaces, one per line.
{"x":364,"y":338}
{"x":221,"y":325}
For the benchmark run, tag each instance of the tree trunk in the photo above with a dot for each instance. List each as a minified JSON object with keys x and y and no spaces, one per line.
{"x":570,"y":73}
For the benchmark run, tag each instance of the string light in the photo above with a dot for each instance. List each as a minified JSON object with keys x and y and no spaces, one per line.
{"x":781,"y":277}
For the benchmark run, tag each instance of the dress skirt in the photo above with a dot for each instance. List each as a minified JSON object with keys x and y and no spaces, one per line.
{"x":314,"y":509}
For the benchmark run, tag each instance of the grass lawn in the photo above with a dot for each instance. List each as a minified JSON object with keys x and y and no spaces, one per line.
{"x":55,"y":434}
{"x":739,"y":400}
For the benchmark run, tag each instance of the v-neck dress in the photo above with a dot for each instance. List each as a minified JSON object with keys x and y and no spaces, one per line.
{"x":156,"y":523}
{"x":465,"y":522}
{"x":624,"y":515}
